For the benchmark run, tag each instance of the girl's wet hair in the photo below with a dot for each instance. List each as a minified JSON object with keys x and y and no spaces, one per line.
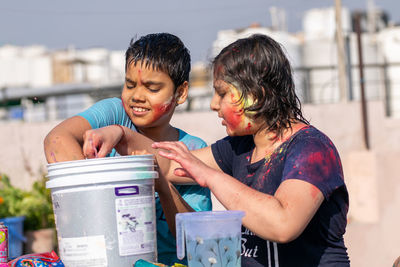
{"x":163,"y":52}
{"x":260,"y":70}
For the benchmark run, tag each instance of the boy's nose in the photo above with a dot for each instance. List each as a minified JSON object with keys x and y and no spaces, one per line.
{"x":138,"y":94}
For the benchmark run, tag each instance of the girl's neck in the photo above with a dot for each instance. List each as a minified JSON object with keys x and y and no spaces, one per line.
{"x":160,"y":133}
{"x":266,"y":142}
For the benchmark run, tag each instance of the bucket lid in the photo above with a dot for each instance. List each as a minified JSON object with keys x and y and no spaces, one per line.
{"x":101,"y":170}
{"x":99,"y":161}
{"x":100,"y":178}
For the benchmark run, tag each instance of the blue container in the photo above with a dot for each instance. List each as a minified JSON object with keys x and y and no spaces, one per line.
{"x":15,"y":235}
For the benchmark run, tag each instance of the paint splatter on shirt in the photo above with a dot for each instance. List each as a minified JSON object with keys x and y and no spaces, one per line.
{"x":310,"y":156}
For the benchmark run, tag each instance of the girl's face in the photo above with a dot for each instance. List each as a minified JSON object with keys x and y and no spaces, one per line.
{"x":148,"y":96}
{"x":226,"y":102}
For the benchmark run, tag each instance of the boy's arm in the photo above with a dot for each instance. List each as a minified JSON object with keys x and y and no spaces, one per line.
{"x":171,"y":202}
{"x":64,"y":142}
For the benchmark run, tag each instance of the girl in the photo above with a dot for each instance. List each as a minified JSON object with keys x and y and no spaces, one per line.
{"x":284,"y":173}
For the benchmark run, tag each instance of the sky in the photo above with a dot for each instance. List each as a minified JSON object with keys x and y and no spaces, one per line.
{"x":111,"y":24}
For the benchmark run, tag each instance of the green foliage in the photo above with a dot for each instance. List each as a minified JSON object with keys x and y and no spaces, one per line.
{"x":35,"y":204}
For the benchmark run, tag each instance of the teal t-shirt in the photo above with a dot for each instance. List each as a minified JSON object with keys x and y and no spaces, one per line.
{"x":110,"y":111}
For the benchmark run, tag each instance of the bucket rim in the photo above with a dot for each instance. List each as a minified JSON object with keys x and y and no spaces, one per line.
{"x":219,"y":215}
{"x":96,"y":179}
{"x":104,"y":160}
{"x":55,"y":174}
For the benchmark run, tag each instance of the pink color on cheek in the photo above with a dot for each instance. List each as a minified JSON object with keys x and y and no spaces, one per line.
{"x":232,"y":117}
{"x":161,"y":109}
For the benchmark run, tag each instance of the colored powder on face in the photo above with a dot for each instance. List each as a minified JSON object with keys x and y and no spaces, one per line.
{"x":234,"y":113}
{"x":139,"y":77}
{"x":232,"y":117}
{"x":248,"y":127}
{"x":161,"y":109}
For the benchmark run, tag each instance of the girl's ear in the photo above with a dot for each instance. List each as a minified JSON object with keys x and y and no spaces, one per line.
{"x":182,"y":93}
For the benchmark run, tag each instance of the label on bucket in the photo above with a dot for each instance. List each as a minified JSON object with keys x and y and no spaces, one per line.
{"x":136,"y":225}
{"x":83,"y":251}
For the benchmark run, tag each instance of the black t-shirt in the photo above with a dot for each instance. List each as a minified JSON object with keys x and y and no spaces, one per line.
{"x":310,"y":156}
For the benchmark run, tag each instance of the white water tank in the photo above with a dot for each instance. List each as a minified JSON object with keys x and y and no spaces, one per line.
{"x":320,"y":23}
{"x":25,"y":66}
{"x":94,"y":67}
{"x":321,"y":61}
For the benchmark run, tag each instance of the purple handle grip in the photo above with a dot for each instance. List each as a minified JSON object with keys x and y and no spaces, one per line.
{"x":126,"y":190}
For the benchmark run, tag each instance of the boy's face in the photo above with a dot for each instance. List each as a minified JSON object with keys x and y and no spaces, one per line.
{"x":148,"y":96}
{"x":226,"y":102}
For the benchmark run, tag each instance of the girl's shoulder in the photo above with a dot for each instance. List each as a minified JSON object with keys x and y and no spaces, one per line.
{"x":310,"y":136}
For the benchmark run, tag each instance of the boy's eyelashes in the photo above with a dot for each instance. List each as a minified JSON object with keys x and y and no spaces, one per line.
{"x":152,"y":88}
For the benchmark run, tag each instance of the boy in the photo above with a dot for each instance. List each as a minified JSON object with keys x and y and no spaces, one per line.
{"x":157,"y":70}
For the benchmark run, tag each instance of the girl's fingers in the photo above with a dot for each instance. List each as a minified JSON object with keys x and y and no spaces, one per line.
{"x":165,"y":145}
{"x":167,"y":155}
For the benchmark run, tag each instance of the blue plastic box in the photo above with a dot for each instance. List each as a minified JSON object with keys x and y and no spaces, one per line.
{"x":15,"y":235}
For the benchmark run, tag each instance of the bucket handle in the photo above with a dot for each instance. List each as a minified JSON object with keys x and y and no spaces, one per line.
{"x":126,"y":190}
{"x":180,"y":236}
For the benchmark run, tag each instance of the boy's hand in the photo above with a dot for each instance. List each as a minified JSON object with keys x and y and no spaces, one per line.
{"x":97,"y":143}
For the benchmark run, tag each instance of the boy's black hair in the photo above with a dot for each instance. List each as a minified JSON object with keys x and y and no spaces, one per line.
{"x":163,"y":52}
{"x":258,"y":67}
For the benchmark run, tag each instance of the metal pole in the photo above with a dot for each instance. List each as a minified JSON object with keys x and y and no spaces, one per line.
{"x":341,"y":55}
{"x":362,"y":81}
{"x":386,"y":86}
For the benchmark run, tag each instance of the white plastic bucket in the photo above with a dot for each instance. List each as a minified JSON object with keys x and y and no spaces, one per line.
{"x":104,"y":210}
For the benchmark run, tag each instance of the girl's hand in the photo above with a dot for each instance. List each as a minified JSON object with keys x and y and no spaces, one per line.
{"x":191,"y":166}
{"x":97,"y":143}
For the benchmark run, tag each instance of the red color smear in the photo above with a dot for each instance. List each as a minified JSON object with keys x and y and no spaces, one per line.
{"x":248,"y":127}
{"x":232,"y":117}
{"x":325,"y":164}
{"x":314,"y":192}
{"x":248,"y":158}
{"x":161,"y":109}
{"x":139,"y":77}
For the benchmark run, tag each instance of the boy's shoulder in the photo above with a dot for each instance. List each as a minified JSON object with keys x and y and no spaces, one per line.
{"x":191,"y":141}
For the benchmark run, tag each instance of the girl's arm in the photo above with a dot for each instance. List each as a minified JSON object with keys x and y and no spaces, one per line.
{"x":281,"y":217}
{"x":99,"y":142}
